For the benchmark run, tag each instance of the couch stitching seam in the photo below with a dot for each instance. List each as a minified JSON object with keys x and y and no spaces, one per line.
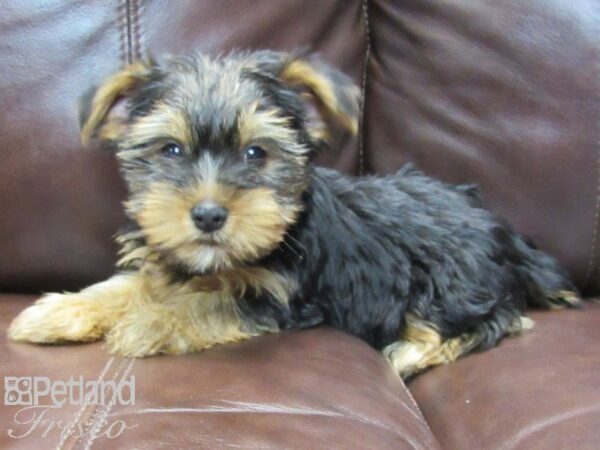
{"x":130,"y":54}
{"x":77,"y":417}
{"x":127,"y":32}
{"x":592,"y":261}
{"x":99,"y":419}
{"x":361,"y":143}
{"x":416,"y":405}
{"x":91,"y":421}
{"x":122,"y":26}
{"x":135,"y":30}
{"x":92,"y":417}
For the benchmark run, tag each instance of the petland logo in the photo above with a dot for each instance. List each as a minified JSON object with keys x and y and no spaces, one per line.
{"x":39,"y":399}
{"x":41,"y":391}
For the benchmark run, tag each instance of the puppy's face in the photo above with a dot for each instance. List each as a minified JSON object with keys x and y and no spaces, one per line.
{"x":216,"y":151}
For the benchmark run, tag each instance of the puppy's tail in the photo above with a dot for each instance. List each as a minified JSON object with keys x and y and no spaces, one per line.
{"x":548,"y":284}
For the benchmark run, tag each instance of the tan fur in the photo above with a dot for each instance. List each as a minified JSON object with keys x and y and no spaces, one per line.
{"x":562,"y":300}
{"x":132,"y":255}
{"x":110,"y":131}
{"x":177,"y":319}
{"x":521,"y":324}
{"x":143,"y":313}
{"x":106,"y":96}
{"x":236,"y":282}
{"x":301,"y":72}
{"x":256,"y":126}
{"x":256,"y":223}
{"x":82,"y":316}
{"x":422,"y":346}
{"x":165,"y":120}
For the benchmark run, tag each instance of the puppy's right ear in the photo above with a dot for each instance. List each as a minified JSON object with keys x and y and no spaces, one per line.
{"x":102,"y":110}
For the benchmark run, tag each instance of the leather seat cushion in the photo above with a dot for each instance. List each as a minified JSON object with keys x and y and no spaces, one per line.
{"x":307,"y":390}
{"x":537,"y":391}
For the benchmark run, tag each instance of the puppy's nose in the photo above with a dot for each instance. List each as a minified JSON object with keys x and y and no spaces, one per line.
{"x":208,"y":216}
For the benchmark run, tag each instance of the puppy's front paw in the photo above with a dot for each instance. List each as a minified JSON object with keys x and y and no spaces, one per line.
{"x":58,"y":318}
{"x":146,"y":332}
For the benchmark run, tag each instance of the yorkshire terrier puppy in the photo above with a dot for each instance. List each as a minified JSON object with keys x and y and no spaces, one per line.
{"x":234,"y":233}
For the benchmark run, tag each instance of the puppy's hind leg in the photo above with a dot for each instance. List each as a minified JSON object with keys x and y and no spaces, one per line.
{"x":78,"y":317}
{"x":422,"y":346}
{"x":562,"y":299}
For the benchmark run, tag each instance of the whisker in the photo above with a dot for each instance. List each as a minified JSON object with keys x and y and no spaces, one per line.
{"x":292,"y":249}
{"x":296,"y":241}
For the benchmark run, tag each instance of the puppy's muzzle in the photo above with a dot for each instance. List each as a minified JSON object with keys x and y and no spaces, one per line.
{"x":209,"y":217}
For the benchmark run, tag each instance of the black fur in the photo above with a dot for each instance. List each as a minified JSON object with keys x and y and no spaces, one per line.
{"x":368,"y":250}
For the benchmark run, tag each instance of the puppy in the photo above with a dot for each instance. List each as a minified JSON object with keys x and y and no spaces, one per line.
{"x":234,"y":233}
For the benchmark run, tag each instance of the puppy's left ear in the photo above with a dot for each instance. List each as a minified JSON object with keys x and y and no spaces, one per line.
{"x":102,"y":110}
{"x":337,"y":97}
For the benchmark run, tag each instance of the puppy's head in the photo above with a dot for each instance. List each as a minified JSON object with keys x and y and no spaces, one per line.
{"x":216,"y":151}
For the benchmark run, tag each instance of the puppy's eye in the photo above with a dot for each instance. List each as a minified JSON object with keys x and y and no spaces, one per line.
{"x":254,"y":153}
{"x":172,"y":151}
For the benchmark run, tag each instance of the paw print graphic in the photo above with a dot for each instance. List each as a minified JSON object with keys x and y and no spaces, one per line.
{"x":18,"y":391}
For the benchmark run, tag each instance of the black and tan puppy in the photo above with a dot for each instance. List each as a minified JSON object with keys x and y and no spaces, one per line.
{"x":234,"y":233}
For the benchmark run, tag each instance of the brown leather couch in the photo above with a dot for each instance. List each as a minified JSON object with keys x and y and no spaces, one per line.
{"x":505,"y":93}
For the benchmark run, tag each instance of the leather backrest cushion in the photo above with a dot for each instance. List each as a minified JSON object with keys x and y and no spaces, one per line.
{"x":502,"y":93}
{"x":60,"y":203}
